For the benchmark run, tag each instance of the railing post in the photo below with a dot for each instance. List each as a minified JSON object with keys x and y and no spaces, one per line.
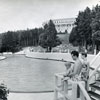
{"x":81,"y":94}
{"x":65,"y":86}
{"x":55,"y":90}
{"x":99,"y":75}
{"x":87,"y":85}
{"x":74,"y":91}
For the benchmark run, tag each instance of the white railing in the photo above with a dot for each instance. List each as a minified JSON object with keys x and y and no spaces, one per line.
{"x":83,"y":91}
{"x":70,"y":90}
{"x":76,"y":87}
{"x":93,"y":60}
{"x":94,"y":72}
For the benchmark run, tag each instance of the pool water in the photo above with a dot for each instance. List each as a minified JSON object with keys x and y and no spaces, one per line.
{"x":23,"y":74}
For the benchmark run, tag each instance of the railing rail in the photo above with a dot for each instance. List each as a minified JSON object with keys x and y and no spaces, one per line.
{"x":94,"y":70}
{"x":93,"y":60}
{"x":84,"y":92}
{"x":78,"y":87}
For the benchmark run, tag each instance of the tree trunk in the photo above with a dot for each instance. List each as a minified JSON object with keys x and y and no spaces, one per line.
{"x":50,"y":48}
{"x":93,"y":46}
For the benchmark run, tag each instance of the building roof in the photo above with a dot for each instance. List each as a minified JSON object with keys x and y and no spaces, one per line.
{"x":64,"y":21}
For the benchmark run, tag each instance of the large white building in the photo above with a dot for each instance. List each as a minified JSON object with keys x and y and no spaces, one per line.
{"x":63,"y":24}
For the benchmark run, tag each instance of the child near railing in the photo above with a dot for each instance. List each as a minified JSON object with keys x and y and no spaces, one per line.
{"x":69,"y":69}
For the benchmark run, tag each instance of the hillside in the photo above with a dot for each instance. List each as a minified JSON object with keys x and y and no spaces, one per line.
{"x":64,"y":38}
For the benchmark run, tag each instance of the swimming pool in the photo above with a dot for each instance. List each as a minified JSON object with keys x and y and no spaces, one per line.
{"x":23,"y":74}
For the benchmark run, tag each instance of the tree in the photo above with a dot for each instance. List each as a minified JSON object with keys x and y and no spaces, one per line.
{"x":96,"y":39}
{"x":83,"y":26}
{"x":95,"y":25}
{"x":48,"y":38}
{"x":10,"y":42}
{"x":74,"y":37}
{"x":81,"y":34}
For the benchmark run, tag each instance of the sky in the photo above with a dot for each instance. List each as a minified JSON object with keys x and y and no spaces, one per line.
{"x":23,"y":14}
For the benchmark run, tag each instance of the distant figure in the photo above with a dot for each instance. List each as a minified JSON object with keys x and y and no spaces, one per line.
{"x":85,"y":69}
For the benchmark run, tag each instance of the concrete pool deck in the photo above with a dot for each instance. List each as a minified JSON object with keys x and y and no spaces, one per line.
{"x":31,"y":96}
{"x":60,"y":57}
{"x":2,"y":57}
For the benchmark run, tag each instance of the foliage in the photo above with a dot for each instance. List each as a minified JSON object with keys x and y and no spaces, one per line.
{"x":96,"y":37}
{"x":66,"y":32}
{"x":10,"y":42}
{"x":74,"y":37}
{"x":14,"y":41}
{"x":87,"y":28}
{"x":49,"y":38}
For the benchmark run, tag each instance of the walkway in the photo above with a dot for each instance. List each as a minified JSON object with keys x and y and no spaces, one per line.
{"x":2,"y":57}
{"x":31,"y":96}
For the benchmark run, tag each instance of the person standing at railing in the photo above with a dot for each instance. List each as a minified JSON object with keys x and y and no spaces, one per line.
{"x":85,"y":69}
{"x":74,"y":71}
{"x":77,"y":66}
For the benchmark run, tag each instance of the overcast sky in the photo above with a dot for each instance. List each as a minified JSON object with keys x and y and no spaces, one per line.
{"x":23,"y":14}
